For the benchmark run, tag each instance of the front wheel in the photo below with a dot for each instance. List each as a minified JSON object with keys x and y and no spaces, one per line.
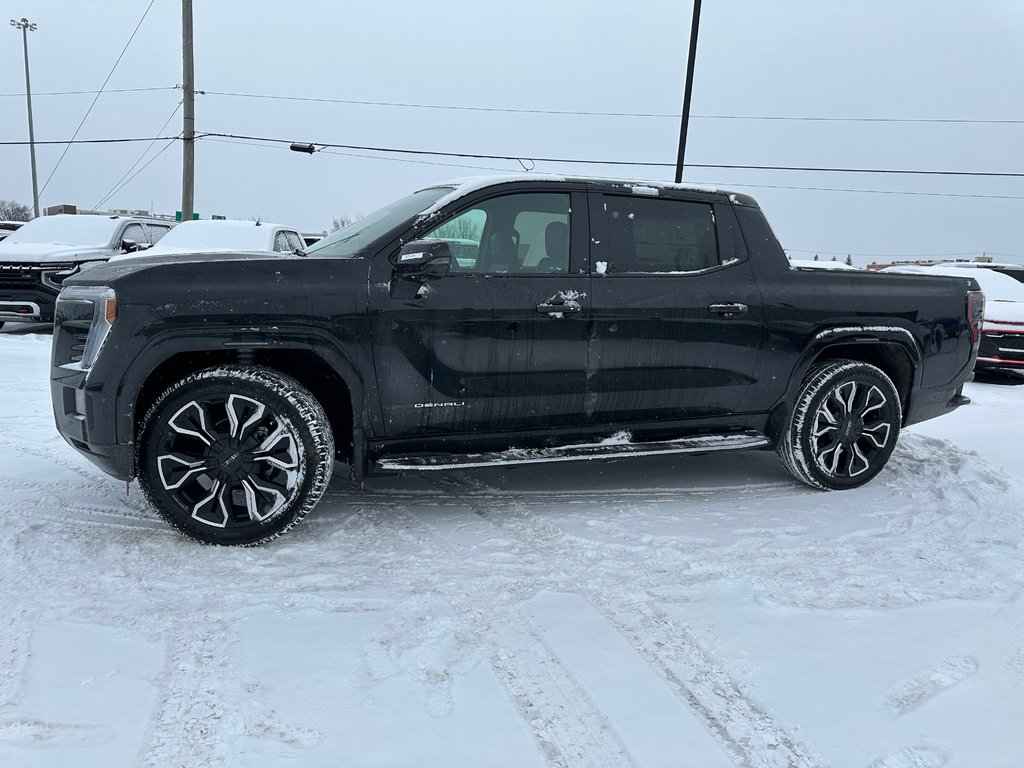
{"x":235,"y":455}
{"x":844,"y":425}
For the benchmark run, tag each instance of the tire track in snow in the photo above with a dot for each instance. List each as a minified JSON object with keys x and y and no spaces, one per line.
{"x":747,"y":732}
{"x":910,"y":694}
{"x":565,"y":724}
{"x":569,"y":729}
{"x":188,"y":729}
{"x":14,"y":656}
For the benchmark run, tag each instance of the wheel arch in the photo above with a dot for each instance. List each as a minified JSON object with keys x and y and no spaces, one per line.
{"x":339,"y":392}
{"x":893,"y":351}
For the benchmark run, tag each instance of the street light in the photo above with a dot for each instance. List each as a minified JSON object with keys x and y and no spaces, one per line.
{"x":26,"y":26}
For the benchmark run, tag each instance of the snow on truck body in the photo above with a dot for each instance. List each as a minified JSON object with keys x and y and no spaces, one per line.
{"x":495,"y":321}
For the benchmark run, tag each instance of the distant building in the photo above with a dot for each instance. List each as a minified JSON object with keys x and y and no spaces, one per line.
{"x":929,"y":262}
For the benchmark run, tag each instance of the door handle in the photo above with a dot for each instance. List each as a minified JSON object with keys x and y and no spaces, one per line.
{"x":545,"y":308}
{"x":728,"y":309}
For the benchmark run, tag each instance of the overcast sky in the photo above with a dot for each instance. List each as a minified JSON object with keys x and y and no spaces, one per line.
{"x":791,"y":58}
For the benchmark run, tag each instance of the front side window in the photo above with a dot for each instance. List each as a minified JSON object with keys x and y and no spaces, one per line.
{"x":651,"y":235}
{"x":135,"y":233}
{"x":524,"y":233}
{"x":281,"y":242}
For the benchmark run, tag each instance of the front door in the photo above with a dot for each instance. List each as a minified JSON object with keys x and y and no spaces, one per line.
{"x":677,"y":315}
{"x":500,"y":342}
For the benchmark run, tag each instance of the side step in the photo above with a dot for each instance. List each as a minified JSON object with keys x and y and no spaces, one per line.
{"x":612,"y":448}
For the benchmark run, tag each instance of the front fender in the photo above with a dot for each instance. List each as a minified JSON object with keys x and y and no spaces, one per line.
{"x":163,"y":346}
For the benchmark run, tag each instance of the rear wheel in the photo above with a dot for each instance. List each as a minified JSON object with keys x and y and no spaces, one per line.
{"x":844,"y":426}
{"x":235,"y":455}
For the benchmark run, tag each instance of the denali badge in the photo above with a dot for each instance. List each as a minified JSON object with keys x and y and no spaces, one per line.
{"x":440,"y":405}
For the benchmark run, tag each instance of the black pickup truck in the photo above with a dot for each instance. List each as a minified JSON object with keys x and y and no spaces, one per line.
{"x":502,"y":320}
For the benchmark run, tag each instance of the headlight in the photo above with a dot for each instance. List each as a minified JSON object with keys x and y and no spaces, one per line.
{"x":96,"y":305}
{"x":55,"y":277}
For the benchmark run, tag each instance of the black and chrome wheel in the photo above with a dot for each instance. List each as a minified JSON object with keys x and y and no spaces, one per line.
{"x":844,"y":425}
{"x":235,"y":455}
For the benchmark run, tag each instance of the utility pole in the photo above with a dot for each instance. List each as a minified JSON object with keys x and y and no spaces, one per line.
{"x":689,"y":89}
{"x":188,"y":135}
{"x":26,"y":26}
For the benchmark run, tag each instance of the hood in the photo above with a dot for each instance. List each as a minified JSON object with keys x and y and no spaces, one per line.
{"x":1000,"y":314}
{"x":45,"y":253}
{"x":137,"y":263}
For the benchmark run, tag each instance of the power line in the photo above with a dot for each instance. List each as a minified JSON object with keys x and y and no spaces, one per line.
{"x":586,"y":113}
{"x":527,"y":111}
{"x":107,"y":91}
{"x":127,"y":181}
{"x":97,"y":96}
{"x":90,"y":141}
{"x":110,"y":193}
{"x":711,"y":183}
{"x":579,"y":161}
{"x":369,"y":157}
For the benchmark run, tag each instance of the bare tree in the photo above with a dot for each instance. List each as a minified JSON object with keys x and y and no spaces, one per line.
{"x":11,"y":210}
{"x":340,"y":222}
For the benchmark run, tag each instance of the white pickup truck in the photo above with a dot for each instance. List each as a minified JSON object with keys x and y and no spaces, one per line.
{"x":36,"y":258}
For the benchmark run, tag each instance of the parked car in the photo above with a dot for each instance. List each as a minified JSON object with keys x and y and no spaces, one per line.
{"x":1016,"y":271}
{"x":6,"y":227}
{"x":219,"y":235}
{"x":591,"y":319}
{"x":1002,"y":335}
{"x":37,"y":258}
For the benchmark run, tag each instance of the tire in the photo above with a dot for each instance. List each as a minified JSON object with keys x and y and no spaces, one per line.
{"x":844,"y":426}
{"x":235,"y":455}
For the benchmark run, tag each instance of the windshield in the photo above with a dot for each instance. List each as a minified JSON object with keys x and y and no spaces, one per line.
{"x":219,"y":235}
{"x":67,"y":229}
{"x":359,"y":234}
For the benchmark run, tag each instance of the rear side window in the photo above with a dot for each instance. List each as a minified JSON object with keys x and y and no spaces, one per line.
{"x":652,"y":235}
{"x":156,"y":231}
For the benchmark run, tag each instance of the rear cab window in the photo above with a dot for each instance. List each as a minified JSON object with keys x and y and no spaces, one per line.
{"x":640,"y":234}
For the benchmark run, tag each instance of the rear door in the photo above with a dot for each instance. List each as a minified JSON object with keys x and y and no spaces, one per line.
{"x":500,"y":342}
{"x":677,"y":315}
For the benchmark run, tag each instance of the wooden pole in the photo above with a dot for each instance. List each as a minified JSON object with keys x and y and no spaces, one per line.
{"x":188,"y":135}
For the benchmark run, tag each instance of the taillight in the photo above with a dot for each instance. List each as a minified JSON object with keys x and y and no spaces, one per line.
{"x":975,"y":315}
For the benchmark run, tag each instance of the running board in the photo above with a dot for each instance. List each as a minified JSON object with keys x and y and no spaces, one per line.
{"x":609,"y":449}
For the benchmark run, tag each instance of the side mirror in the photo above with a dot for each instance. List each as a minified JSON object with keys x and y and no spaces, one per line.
{"x":423,"y":260}
{"x":129,"y":246}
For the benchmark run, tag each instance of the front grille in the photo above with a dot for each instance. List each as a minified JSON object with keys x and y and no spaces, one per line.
{"x":18,"y":277}
{"x":1008,"y":346}
{"x":77,"y":343}
{"x":69,"y":342}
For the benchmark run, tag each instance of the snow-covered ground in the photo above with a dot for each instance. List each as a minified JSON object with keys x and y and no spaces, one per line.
{"x":668,"y":611}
